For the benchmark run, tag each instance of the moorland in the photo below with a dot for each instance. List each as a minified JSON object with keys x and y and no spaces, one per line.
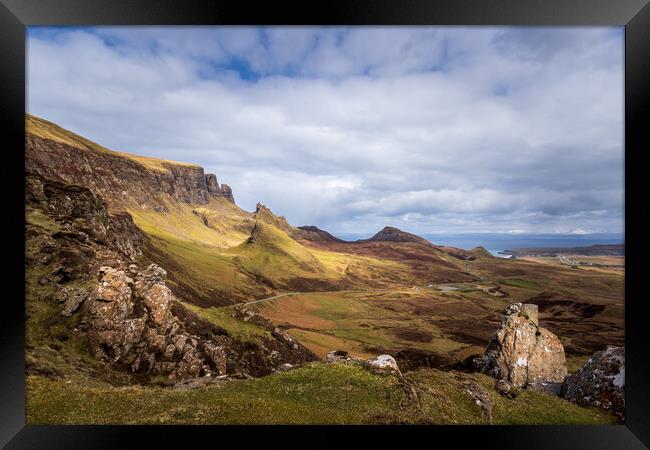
{"x":144,"y":273}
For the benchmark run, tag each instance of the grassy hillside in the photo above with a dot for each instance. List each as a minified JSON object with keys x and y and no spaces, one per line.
{"x":316,"y":394}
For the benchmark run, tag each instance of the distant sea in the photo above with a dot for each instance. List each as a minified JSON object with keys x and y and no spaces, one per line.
{"x":497,"y":242}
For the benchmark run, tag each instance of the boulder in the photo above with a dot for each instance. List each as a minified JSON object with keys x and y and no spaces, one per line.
{"x":505,"y":389}
{"x":522,"y":352}
{"x":72,"y":298}
{"x":337,"y":356}
{"x":383,"y":365}
{"x":286,"y":367}
{"x":600,"y":382}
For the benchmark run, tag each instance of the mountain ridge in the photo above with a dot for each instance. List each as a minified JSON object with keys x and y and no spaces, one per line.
{"x":122,"y":178}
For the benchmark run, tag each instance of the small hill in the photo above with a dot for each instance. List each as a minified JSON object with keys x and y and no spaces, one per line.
{"x":315,"y":234}
{"x":270,"y":254}
{"x":392,"y":234}
{"x":482,"y":252}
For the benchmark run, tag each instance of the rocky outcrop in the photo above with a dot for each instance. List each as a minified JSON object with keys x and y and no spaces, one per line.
{"x":219,"y":191}
{"x":337,"y":356}
{"x":383,"y":365}
{"x":600,"y":382}
{"x":522,"y":352}
{"x":119,"y":178}
{"x":264,"y":214}
{"x":226,"y":192}
{"x":129,"y":321}
{"x":90,"y":263}
{"x":212,"y":184}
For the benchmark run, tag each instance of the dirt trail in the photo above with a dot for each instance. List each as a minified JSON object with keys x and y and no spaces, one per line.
{"x":274,"y":297}
{"x":285,"y":294}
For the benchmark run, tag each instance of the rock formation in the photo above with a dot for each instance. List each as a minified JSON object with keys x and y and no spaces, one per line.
{"x":226,"y":192}
{"x":213,"y":185}
{"x":339,"y":356}
{"x":128,"y":320}
{"x":383,"y":365}
{"x":600,"y":382}
{"x":92,"y":264}
{"x":522,"y":352}
{"x":214,"y":188}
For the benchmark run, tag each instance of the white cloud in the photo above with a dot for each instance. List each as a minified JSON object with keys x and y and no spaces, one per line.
{"x":446,"y":129}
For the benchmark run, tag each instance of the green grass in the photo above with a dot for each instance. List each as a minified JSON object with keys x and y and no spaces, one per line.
{"x":526,"y":284}
{"x":274,"y":255}
{"x":315,"y":394}
{"x":239,"y":329}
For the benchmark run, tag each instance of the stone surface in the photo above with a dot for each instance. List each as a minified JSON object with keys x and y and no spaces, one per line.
{"x":505,"y":388}
{"x":382,"y":365}
{"x":213,"y":185}
{"x":72,"y":298}
{"x":522,"y":352}
{"x":226,"y":192}
{"x":337,"y":356}
{"x":600,"y":382}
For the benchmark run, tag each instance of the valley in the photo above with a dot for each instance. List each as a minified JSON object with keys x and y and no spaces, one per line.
{"x":253,"y":293}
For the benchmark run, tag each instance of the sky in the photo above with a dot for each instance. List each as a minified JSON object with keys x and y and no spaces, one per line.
{"x":428,"y":129}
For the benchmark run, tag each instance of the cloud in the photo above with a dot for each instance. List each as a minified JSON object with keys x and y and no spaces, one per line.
{"x":430,"y":128}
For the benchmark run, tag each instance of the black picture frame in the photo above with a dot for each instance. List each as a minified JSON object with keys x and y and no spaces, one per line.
{"x":15,"y":15}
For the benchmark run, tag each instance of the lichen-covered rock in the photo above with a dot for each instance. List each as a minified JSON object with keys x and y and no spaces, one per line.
{"x":600,"y":382}
{"x":505,"y":388}
{"x":158,"y":301}
{"x":216,"y":355}
{"x":522,"y":352}
{"x":337,"y":356}
{"x":383,"y":365}
{"x":246,"y":314}
{"x":112,"y":296}
{"x":72,"y":298}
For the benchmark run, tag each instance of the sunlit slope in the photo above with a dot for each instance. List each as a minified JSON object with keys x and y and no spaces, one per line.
{"x":220,"y":223}
{"x":219,"y":254}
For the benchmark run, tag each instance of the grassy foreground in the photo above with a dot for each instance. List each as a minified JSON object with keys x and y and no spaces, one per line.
{"x":315,"y":394}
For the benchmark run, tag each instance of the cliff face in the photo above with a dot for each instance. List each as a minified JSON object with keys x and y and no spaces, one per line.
{"x":219,"y":191}
{"x":119,"y":178}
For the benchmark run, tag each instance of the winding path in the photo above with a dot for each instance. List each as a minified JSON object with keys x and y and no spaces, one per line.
{"x":285,"y":294}
{"x":272,"y":298}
